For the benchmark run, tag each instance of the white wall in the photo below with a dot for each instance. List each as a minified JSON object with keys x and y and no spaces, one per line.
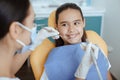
{"x":111,"y":31}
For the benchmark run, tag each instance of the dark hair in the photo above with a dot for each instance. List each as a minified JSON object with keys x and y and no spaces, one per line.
{"x":10,"y":11}
{"x":60,"y":42}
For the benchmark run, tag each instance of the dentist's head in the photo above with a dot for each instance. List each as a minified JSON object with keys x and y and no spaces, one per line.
{"x":13,"y":12}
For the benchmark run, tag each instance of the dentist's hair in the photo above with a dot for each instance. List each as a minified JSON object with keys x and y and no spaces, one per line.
{"x":60,"y":42}
{"x":10,"y":11}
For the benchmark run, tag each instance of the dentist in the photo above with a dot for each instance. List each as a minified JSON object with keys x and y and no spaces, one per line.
{"x":16,"y":32}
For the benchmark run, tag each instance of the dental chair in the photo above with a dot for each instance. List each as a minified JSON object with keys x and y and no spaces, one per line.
{"x":39,"y":56}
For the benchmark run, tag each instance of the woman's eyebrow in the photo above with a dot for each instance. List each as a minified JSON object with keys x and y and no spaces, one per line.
{"x":72,"y":21}
{"x":78,"y":20}
{"x":63,"y":22}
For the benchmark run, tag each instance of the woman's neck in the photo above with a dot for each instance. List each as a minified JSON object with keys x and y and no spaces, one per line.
{"x":6,"y":58}
{"x":6,"y":47}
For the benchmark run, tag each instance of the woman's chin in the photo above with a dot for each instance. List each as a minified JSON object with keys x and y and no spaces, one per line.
{"x":74,"y":42}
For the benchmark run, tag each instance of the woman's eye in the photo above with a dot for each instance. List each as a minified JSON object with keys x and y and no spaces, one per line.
{"x":64,"y":25}
{"x":76,"y":23}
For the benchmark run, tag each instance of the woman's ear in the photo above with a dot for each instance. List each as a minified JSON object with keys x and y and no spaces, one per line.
{"x":14,"y":30}
{"x":56,"y":27}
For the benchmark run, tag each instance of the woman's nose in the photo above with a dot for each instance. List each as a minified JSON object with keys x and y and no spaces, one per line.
{"x":71,"y":28}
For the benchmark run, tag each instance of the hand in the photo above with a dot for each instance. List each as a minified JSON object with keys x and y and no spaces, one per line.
{"x":87,"y":60}
{"x":43,"y":34}
{"x":48,"y":32}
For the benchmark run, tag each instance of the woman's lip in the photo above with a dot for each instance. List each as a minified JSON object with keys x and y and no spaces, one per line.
{"x":72,"y":36}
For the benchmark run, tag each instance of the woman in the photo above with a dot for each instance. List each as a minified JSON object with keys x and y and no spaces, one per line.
{"x":16,"y":32}
{"x":72,"y":49}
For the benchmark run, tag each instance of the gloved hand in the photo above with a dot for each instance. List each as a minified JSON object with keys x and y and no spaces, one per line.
{"x":87,"y":60}
{"x":43,"y":34}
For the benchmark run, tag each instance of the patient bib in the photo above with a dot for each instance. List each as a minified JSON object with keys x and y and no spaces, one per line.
{"x":63,"y":61}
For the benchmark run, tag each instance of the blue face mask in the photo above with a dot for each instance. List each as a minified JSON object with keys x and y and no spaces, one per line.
{"x":33,"y":35}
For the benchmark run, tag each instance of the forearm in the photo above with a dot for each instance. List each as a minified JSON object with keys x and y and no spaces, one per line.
{"x":18,"y":61}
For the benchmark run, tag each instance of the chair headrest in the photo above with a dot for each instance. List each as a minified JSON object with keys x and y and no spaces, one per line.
{"x":51,"y":19}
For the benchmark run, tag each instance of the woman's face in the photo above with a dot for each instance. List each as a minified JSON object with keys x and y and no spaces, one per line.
{"x":70,"y":25}
{"x":29,"y":22}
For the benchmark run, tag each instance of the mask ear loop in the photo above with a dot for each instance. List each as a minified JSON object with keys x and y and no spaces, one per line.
{"x":21,"y":43}
{"x":24,"y":27}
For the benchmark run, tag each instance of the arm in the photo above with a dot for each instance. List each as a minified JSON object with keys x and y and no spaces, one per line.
{"x":86,"y":61}
{"x":19,"y":59}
